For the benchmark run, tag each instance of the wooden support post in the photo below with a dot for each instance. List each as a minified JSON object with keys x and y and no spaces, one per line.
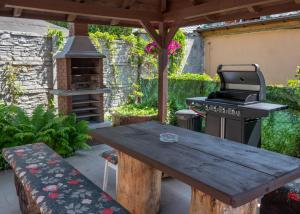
{"x":162,"y":84}
{"x":163,"y":38}
{"x":78,"y":29}
{"x":139,"y":186}
{"x":204,"y":204}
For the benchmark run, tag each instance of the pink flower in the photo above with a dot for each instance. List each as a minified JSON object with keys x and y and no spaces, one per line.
{"x":53,"y":195}
{"x":73,"y":182}
{"x":52,"y":162}
{"x":152,"y":48}
{"x":294,"y":196}
{"x":34,"y":171}
{"x":173,"y":47}
{"x":51,"y":188}
{"x":107,"y":211}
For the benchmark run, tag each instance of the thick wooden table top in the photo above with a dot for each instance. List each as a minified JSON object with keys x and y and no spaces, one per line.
{"x":231,"y":172}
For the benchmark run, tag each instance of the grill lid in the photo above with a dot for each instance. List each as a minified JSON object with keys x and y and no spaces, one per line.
{"x":79,"y":47}
{"x":242,"y":78}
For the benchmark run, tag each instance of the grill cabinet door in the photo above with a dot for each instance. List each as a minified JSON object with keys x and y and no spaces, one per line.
{"x":233,"y":130}
{"x":213,"y":124}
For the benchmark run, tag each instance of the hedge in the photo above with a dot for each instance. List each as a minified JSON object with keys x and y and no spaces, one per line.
{"x":280,"y":132}
{"x":180,"y":89}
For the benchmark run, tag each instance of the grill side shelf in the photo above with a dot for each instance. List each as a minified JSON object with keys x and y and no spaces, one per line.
{"x":261,"y":109}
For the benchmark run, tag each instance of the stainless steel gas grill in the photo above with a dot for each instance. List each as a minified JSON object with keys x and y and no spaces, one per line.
{"x":236,"y":110}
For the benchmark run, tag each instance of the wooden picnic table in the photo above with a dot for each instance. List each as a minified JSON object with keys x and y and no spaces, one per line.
{"x":225,"y":176}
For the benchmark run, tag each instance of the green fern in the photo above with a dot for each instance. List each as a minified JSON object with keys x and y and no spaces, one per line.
{"x":60,"y":132}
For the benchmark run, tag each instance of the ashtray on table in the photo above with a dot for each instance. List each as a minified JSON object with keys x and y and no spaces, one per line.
{"x":168,"y":137}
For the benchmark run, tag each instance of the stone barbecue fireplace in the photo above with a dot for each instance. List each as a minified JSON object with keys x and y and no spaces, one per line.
{"x":80,"y":85}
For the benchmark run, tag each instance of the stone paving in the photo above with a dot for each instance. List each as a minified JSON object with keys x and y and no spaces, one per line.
{"x":174,"y":199}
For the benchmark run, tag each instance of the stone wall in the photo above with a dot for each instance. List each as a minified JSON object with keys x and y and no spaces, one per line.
{"x":117,"y":65}
{"x":192,"y":63}
{"x":32,"y":54}
{"x":194,"y":54}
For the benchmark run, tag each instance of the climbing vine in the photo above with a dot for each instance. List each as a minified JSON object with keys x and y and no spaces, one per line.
{"x":58,"y":36}
{"x":10,"y":85}
{"x":140,"y":61}
{"x":295,"y":82}
{"x":176,"y":60}
{"x":108,"y":40}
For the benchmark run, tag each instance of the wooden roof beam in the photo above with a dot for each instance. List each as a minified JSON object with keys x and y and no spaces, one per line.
{"x":72,"y":17}
{"x":88,"y":10}
{"x":246,"y":15}
{"x":213,"y":7}
{"x":125,"y":5}
{"x":196,"y":2}
{"x":128,"y":3}
{"x":152,"y":32}
{"x":163,"y":6}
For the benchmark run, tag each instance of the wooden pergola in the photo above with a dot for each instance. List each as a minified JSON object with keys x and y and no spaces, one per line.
{"x":160,"y":18}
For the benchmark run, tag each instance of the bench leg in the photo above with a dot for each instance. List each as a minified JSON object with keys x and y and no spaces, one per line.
{"x":139,"y":186}
{"x":105,"y":177}
{"x":117,"y":172}
{"x":204,"y":204}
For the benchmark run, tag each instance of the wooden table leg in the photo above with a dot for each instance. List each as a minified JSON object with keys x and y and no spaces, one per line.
{"x":139,"y":186}
{"x":204,"y":204}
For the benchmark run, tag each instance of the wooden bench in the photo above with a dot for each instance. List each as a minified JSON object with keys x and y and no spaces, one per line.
{"x":46,"y":183}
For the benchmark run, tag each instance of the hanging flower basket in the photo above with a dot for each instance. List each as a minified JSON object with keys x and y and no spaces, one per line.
{"x":152,"y":48}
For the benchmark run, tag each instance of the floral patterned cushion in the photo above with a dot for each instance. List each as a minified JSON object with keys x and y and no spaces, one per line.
{"x":56,"y":186}
{"x":110,"y":156}
{"x":285,"y":200}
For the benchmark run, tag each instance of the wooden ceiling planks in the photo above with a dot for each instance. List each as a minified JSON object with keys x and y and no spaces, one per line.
{"x":129,"y":13}
{"x":88,"y":10}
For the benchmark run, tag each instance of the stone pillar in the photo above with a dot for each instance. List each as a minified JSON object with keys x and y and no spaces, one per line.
{"x":64,"y":83}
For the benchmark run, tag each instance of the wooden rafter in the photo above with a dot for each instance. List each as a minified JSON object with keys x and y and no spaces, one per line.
{"x":162,"y":37}
{"x":173,"y":29}
{"x":72,"y":17}
{"x":163,"y":6}
{"x":246,"y":15}
{"x":213,"y":7}
{"x":125,"y":5}
{"x":196,"y":2}
{"x":152,"y":32}
{"x":129,"y":12}
{"x":88,"y":10}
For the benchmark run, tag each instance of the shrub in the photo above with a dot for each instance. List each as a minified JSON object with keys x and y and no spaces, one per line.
{"x":280,"y":133}
{"x":181,"y":86}
{"x":62,"y":133}
{"x":284,"y":95}
{"x":190,"y":76}
{"x":130,"y":110}
{"x":135,"y":110}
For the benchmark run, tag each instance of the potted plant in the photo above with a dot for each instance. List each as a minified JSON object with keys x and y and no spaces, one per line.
{"x":133,"y":113}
